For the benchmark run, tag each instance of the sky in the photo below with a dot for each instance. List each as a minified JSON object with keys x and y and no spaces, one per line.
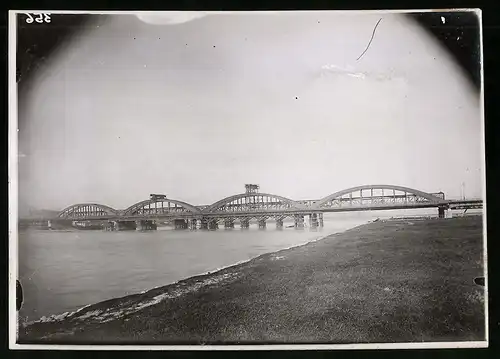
{"x":196,"y":105}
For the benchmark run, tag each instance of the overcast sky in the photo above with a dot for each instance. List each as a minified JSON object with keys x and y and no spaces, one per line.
{"x":196,"y":109}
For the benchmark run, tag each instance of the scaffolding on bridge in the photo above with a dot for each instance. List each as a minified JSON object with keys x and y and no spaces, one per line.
{"x":252,"y":188}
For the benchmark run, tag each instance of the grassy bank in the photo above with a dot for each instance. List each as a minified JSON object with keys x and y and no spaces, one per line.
{"x":387,"y":281}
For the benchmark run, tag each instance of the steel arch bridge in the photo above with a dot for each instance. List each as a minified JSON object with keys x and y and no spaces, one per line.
{"x":379,"y":196}
{"x":163,"y":206}
{"x":254,"y":202}
{"x":87,"y":210}
{"x":263,"y":205}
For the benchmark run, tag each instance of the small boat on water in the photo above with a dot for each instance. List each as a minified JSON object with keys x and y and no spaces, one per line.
{"x":87,"y":226}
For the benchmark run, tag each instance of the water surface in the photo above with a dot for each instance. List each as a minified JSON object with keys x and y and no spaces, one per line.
{"x":65,"y":270}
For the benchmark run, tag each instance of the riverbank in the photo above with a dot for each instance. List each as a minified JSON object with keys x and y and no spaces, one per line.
{"x":387,"y":281}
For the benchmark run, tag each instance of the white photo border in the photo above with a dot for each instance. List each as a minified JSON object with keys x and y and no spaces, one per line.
{"x":13,"y":205}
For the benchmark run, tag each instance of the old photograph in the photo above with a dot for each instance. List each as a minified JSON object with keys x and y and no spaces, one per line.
{"x":288,"y":179}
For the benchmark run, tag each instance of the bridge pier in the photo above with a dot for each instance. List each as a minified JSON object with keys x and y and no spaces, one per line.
{"x":279,"y":224}
{"x":262,"y":224}
{"x":228,"y":223}
{"x":320,"y":219}
{"x":299,"y":221}
{"x":109,"y":226}
{"x":213,"y":224}
{"x":313,"y":220}
{"x":193,"y":224}
{"x":204,"y":223}
{"x":147,"y":225}
{"x":180,"y":224}
{"x":441,"y":211}
{"x":244,"y":223}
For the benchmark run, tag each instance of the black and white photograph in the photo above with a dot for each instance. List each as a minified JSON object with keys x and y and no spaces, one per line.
{"x":258,"y":179}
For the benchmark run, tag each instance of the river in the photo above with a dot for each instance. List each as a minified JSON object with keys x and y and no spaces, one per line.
{"x":65,"y":270}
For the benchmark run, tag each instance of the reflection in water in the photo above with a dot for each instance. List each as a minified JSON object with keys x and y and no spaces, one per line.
{"x":64,"y":270}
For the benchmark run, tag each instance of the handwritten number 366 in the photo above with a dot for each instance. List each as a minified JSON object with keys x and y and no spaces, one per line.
{"x":39,"y":18}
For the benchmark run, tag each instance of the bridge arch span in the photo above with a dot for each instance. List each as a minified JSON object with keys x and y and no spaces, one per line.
{"x":253,"y":202}
{"x":160,"y":206}
{"x":84,"y":210}
{"x":405,"y":194}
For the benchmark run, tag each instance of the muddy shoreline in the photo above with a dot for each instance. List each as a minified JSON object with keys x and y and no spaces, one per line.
{"x":400,"y":280}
